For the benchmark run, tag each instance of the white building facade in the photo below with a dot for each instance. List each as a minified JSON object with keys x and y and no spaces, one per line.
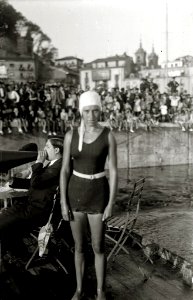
{"x":108,"y":73}
{"x":182,"y":72}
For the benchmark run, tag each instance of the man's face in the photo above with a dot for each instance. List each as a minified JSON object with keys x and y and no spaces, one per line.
{"x":51,"y":151}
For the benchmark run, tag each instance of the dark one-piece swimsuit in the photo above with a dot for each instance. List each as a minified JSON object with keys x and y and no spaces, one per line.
{"x":85,"y":195}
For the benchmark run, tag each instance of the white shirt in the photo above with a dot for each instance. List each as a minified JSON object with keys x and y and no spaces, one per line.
{"x":49,"y":163}
{"x":174,"y":100}
{"x":52,"y":162}
{"x":164,"y":109}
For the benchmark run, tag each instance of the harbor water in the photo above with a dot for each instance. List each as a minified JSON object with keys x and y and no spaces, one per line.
{"x":164,"y":186}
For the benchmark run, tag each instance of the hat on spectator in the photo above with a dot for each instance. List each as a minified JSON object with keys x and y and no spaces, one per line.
{"x":86,"y":99}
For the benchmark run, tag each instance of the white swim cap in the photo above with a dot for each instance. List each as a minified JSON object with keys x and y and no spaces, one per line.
{"x":89,"y":98}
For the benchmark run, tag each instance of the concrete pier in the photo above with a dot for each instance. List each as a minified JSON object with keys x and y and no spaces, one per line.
{"x":164,"y":145}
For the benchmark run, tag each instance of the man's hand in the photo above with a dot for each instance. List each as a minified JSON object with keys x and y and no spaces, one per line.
{"x":42,"y":155}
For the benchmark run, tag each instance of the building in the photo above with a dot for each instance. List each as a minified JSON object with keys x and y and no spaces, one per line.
{"x":17,"y":69}
{"x":180,"y":68}
{"x":153,"y":60}
{"x":120,"y":71}
{"x":66,"y":76}
{"x":109,"y":72}
{"x":16,"y":60}
{"x":71,"y":62}
{"x":71,"y":65}
{"x":140,"y":58}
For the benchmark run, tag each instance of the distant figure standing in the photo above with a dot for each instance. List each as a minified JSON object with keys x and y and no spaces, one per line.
{"x":173,"y":85}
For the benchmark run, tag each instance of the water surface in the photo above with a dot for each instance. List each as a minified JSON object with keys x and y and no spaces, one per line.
{"x":164,"y":186}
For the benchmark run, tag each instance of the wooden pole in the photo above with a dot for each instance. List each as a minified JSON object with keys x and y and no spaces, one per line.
{"x":166,"y":43}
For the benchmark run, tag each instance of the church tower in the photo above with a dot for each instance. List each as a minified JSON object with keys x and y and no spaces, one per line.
{"x":153,"y":60}
{"x":140,"y":56}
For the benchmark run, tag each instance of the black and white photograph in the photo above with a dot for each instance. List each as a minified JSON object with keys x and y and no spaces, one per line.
{"x":114,"y":76}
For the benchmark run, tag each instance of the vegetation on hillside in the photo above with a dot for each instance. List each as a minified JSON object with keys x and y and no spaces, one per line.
{"x":13,"y":23}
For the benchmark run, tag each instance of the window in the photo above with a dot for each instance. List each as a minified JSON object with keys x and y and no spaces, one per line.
{"x":21,"y":68}
{"x":12,"y":65}
{"x":121,"y":63}
{"x":111,"y":63}
{"x":138,"y":59}
{"x":101,"y":65}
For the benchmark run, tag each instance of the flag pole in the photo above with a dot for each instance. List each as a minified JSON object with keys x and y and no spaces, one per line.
{"x":166,"y":42}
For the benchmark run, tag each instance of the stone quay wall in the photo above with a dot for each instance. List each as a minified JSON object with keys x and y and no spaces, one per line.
{"x":164,"y":145}
{"x":161,"y":147}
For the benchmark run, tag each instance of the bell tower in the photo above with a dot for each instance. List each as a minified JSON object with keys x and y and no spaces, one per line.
{"x":140,"y":56}
{"x":153,"y":60}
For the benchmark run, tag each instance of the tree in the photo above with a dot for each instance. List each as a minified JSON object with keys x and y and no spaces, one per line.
{"x":8,"y":20}
{"x":12,"y":23}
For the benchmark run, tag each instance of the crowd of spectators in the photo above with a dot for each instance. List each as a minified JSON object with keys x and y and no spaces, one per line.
{"x":52,"y":109}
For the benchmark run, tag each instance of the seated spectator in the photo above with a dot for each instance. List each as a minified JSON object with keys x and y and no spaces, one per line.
{"x":23,"y":117}
{"x":116,"y":106}
{"x":190,"y":120}
{"x":141,"y":118}
{"x":41,"y":120}
{"x":181,"y":118}
{"x":63,"y":120}
{"x":70,"y":102}
{"x":2,"y":92}
{"x":31,"y":118}
{"x":56,"y":118}
{"x":155,"y":115}
{"x":120,"y":119}
{"x":49,"y":121}
{"x":71,"y":116}
{"x":16,"y":120}
{"x":7,"y":114}
{"x":174,"y":98}
{"x":1,"y":118}
{"x":112,"y":120}
{"x":127,"y":107}
{"x":109,"y":102}
{"x":12,"y":97}
{"x":137,"y":106}
{"x":129,"y":121}
{"x":163,"y":112}
{"x":148,"y":120}
{"x":35,"y":209}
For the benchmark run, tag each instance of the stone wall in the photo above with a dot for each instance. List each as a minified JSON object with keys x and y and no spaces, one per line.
{"x":161,"y":147}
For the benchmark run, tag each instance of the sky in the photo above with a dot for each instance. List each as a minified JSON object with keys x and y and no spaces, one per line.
{"x":92,"y":29}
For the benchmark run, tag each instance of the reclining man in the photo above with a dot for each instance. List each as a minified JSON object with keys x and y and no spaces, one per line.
{"x":35,"y":209}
